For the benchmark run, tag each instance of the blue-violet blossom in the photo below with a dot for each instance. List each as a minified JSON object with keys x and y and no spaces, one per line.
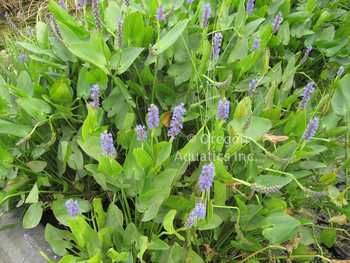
{"x":120,"y":32}
{"x":340,"y":71}
{"x":176,"y":122}
{"x":250,"y":6}
{"x":141,"y":133}
{"x":311,"y":129}
{"x":223,"y":110}
{"x":206,"y":15}
{"x":153,"y":113}
{"x":95,"y":95}
{"x":199,"y":211}
{"x":73,"y":208}
{"x":207,"y":177}
{"x":190,"y":220}
{"x":306,"y":94}
{"x":307,"y":52}
{"x":62,"y":4}
{"x":256,"y":44}
{"x":252,"y":86}
{"x":215,"y":48}
{"x":107,"y":144}
{"x":22,"y":58}
{"x":31,"y":242}
{"x":160,"y":12}
{"x":277,"y":22}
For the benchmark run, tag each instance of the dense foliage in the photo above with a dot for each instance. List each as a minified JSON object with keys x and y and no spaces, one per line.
{"x":179,"y":131}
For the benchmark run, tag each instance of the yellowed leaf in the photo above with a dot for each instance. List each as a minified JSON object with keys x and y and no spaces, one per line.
{"x":274,"y":138}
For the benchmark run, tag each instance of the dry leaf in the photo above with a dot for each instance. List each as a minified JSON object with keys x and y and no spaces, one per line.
{"x":232,"y":185}
{"x":274,"y":138}
{"x":208,"y":250}
{"x":340,"y":261}
{"x":340,"y":219}
{"x":290,"y":246}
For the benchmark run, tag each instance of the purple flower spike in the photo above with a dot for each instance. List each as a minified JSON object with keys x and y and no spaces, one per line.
{"x":97,"y":15}
{"x":190,"y":220}
{"x":120,"y":32}
{"x":308,"y":50}
{"x":107,"y":144}
{"x":199,"y":211}
{"x":31,"y":242}
{"x":340,"y":71}
{"x":141,"y":133}
{"x":311,"y":129}
{"x":277,"y":22}
{"x":73,"y":208}
{"x":160,"y":12}
{"x":62,"y":4}
{"x":256,"y":44}
{"x":206,"y":15}
{"x":11,"y":24}
{"x":307,"y":91}
{"x":83,"y":2}
{"x":207,"y":177}
{"x":22,"y":58}
{"x":252,"y":86}
{"x":95,"y":95}
{"x":190,"y":2}
{"x":215,"y":49}
{"x":176,"y":122}
{"x":223,"y":110}
{"x":153,"y":113}
{"x":250,"y":6}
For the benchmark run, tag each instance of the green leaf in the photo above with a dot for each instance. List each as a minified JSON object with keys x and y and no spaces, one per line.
{"x":91,"y":146}
{"x":149,"y":204}
{"x":33,"y":196}
{"x":256,"y":129}
{"x":42,"y":35}
{"x":241,"y":15}
{"x":272,"y":180}
{"x":114,"y":255}
{"x":67,"y":34}
{"x":169,"y":226}
{"x":240,"y":50}
{"x":96,"y":76}
{"x":311,"y":165}
{"x":83,"y":88}
{"x":165,"y":94}
{"x":89,"y":123}
{"x":280,"y":227}
{"x":214,"y":223}
{"x":157,"y":244}
{"x":55,"y":237}
{"x":67,"y":259}
{"x":133,"y":29}
{"x":142,"y":158}
{"x":341,"y":97}
{"x":33,"y":215}
{"x":171,"y":36}
{"x":24,"y":84}
{"x":112,"y":13}
{"x":14,"y":129}
{"x":60,"y":13}
{"x":327,"y":236}
{"x":177,"y":202}
{"x":109,"y":165}
{"x":35,"y":107}
{"x":128,"y":57}
{"x":60,"y":93}
{"x":90,"y":53}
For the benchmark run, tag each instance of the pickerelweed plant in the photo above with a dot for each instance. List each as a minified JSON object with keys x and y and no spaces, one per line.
{"x":182,"y":131}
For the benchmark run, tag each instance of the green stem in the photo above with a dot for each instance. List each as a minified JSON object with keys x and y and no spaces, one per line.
{"x":347,"y":151}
